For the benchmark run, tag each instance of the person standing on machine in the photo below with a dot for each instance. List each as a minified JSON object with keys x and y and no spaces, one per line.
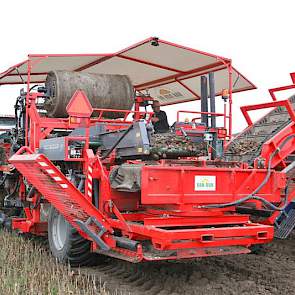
{"x":159,"y":118}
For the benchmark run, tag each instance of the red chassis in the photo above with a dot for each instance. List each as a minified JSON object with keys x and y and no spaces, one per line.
{"x":166,"y":220}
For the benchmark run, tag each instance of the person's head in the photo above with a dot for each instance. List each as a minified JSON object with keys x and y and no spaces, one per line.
{"x":156,"y":106}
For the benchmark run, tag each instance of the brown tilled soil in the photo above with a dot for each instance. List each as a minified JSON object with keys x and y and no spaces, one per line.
{"x":26,"y":268}
{"x":270,"y":272}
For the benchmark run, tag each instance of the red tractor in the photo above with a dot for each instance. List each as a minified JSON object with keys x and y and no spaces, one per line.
{"x":87,"y":170}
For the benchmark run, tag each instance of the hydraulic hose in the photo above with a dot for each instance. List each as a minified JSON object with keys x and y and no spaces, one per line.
{"x":3,"y":179}
{"x":265,"y":180}
{"x":117,"y":142}
{"x":16,"y":187}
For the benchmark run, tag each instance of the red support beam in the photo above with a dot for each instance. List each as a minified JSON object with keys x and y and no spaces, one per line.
{"x":150,"y":63}
{"x":273,"y":90}
{"x":93,"y":63}
{"x":177,"y":76}
{"x":284,"y":103}
{"x":188,"y":89}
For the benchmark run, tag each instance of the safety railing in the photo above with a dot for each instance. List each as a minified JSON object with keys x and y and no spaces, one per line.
{"x":135,"y":115}
{"x":210,"y":114}
{"x":282,"y":103}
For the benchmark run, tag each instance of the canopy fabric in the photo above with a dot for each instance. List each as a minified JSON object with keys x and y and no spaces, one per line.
{"x":168,"y":72}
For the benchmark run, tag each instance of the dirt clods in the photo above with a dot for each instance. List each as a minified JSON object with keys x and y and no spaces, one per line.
{"x":269,"y":272}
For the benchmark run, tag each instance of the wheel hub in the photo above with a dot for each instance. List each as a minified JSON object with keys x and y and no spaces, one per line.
{"x":59,"y":231}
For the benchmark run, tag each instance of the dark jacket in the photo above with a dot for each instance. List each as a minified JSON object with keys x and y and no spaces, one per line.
{"x":162,"y":125}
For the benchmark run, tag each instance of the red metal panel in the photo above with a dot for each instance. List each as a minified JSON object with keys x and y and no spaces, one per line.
{"x":79,"y":105}
{"x":272,"y":146}
{"x":196,"y":221}
{"x":182,"y":238}
{"x":177,"y":185}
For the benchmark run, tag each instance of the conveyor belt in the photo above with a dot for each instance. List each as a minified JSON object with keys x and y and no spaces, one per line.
{"x":66,"y":198}
{"x":246,"y":147}
{"x":286,"y":226}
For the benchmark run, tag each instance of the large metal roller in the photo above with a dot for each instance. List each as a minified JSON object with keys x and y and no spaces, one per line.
{"x":103,"y":91}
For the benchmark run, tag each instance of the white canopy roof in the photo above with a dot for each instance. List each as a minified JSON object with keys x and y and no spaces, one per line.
{"x":169,"y":72}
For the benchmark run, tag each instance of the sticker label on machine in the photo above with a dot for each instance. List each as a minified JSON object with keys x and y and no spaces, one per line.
{"x":205,"y":183}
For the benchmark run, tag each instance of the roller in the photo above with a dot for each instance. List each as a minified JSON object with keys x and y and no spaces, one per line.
{"x":103,"y":91}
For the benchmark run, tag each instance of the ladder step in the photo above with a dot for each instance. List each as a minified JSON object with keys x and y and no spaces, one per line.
{"x":95,"y":236}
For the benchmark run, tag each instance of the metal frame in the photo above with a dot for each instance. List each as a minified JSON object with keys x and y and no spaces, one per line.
{"x":169,"y":212}
{"x":170,"y":217}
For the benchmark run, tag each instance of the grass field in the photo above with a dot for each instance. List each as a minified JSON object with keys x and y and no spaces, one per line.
{"x":26,"y":267}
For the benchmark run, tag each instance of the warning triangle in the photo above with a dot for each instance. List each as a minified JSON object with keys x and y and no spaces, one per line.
{"x":79,"y":105}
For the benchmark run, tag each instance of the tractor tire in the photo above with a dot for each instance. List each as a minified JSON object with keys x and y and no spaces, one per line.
{"x":66,"y":244}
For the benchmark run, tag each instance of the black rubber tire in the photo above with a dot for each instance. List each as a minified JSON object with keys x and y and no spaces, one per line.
{"x":76,"y":250}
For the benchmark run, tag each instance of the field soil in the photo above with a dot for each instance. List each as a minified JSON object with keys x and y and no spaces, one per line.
{"x":27,"y":268}
{"x":270,"y":272}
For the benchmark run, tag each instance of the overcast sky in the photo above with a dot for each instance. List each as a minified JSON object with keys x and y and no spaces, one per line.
{"x":257,"y":35}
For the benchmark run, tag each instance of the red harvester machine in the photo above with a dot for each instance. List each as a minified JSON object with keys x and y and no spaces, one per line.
{"x":89,"y":172}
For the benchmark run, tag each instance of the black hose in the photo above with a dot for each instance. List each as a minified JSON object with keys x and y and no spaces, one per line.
{"x":16,"y":187}
{"x":3,"y":179}
{"x":31,"y":192}
{"x":81,"y":184}
{"x":96,"y":192}
{"x":117,"y":142}
{"x":34,"y":86}
{"x":265,"y":180}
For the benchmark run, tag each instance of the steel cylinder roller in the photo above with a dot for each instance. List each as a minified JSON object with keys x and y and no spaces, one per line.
{"x":103,"y":91}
